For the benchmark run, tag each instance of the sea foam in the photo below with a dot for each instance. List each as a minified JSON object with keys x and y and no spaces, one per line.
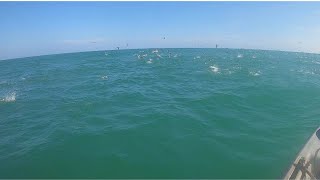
{"x":214,"y":69}
{"x":11,"y":97}
{"x":255,"y":73}
{"x":150,"y":61}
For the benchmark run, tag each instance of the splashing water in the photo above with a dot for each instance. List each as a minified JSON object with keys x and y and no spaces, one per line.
{"x":10,"y":97}
{"x":214,"y":69}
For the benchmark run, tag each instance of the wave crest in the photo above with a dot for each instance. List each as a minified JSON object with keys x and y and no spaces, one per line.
{"x":10,"y":97}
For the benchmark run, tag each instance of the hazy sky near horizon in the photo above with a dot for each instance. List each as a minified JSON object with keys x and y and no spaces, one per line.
{"x":38,"y":28}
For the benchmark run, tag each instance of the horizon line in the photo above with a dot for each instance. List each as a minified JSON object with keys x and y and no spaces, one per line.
{"x":315,"y":53}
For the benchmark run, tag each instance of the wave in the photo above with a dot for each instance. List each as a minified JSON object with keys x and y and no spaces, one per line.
{"x":104,"y":77}
{"x":197,"y":57}
{"x":306,"y":72}
{"x":316,"y":62}
{"x":240,"y":56}
{"x":150,"y":61}
{"x":258,"y":73}
{"x":214,"y":69}
{"x":10,"y":97}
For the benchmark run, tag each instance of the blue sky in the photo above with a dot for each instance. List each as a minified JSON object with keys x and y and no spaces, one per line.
{"x":38,"y":28}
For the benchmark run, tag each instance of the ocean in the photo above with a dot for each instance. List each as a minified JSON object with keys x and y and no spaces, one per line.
{"x":166,"y":113}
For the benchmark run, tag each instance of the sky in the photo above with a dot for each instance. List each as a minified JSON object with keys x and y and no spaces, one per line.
{"x":40,"y":28}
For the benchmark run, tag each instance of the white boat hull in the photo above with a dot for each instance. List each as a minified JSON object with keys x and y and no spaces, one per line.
{"x":307,"y":163}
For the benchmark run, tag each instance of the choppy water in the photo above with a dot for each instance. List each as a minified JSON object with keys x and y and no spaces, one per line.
{"x":175,"y":113}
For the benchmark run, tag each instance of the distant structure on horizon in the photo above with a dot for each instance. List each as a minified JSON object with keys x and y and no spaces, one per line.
{"x":216,"y":45}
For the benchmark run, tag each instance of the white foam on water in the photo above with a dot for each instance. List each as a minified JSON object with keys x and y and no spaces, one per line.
{"x":155,"y":51}
{"x":306,"y":72}
{"x":255,"y":73}
{"x":240,"y":56}
{"x":11,"y":97}
{"x":197,"y":57}
{"x":104,"y":77}
{"x":316,"y":62}
{"x":253,"y":57}
{"x":150,"y":61}
{"x":214,"y":69}
{"x":142,"y":56}
{"x":237,"y":68}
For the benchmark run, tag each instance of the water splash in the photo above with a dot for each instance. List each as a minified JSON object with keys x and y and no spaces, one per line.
{"x":214,"y":69}
{"x":104,"y":77}
{"x":258,"y":73}
{"x":197,"y":57}
{"x":150,"y":61}
{"x":240,"y":56}
{"x":11,"y":97}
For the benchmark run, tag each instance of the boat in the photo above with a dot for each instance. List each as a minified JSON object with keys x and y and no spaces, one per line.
{"x":307,"y":163}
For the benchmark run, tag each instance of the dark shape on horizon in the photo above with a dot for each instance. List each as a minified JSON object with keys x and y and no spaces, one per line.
{"x":127,"y":45}
{"x":118,"y":48}
{"x":216,"y":45}
{"x":93,"y":42}
{"x":164,"y":37}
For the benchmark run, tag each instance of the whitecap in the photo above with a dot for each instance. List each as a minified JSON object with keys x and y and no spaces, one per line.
{"x":150,"y":61}
{"x":197,"y":57}
{"x":214,"y":69}
{"x":240,"y":56}
{"x":104,"y":77}
{"x":255,"y":73}
{"x":142,"y":56}
{"x":306,"y":72}
{"x":155,"y":51}
{"x":10,"y":97}
{"x":316,"y":62}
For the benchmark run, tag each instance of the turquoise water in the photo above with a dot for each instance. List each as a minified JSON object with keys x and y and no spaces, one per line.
{"x":187,"y":113}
